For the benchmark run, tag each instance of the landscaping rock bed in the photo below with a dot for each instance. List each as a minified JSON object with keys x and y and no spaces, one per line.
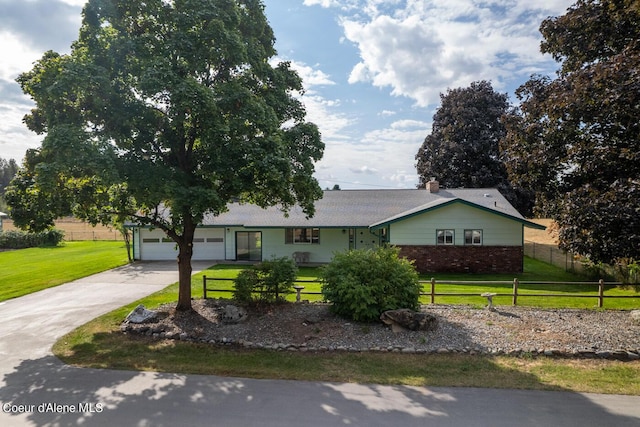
{"x":516,"y":331}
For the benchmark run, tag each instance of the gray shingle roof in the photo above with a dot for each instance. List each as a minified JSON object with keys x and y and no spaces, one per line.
{"x":364,"y":208}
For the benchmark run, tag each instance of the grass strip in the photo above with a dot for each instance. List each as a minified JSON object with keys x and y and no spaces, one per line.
{"x":97,"y":346}
{"x":30,"y":270}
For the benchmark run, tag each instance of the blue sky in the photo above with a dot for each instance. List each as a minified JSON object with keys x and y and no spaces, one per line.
{"x":373,"y":69}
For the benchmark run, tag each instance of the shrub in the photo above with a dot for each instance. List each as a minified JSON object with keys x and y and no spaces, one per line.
{"x":361,"y":284}
{"x":268,"y":281}
{"x":22,"y":240}
{"x":244,"y":285}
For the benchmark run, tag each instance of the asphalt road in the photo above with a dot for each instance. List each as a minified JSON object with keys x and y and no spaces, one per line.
{"x":38,"y":390}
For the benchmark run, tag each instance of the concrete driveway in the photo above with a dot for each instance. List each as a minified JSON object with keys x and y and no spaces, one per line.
{"x":38,"y":390}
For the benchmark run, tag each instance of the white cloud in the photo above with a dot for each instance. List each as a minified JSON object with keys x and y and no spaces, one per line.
{"x":425,"y":47}
{"x":320,"y":110}
{"x":310,"y":76}
{"x":407,"y":124}
{"x":78,"y":3}
{"x":22,"y":56}
{"x":324,"y":113}
{"x":365,"y":170}
{"x":382,"y":158}
{"x":322,"y":3}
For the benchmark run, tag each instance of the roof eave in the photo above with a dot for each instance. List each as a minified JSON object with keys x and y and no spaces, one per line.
{"x":401,"y":217}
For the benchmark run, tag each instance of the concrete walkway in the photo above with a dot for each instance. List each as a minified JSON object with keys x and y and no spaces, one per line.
{"x":38,"y":390}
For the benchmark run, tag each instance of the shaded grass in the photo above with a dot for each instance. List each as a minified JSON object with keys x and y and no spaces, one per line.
{"x":96,"y":347}
{"x":30,"y":270}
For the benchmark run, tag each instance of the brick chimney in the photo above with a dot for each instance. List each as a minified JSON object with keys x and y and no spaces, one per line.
{"x":433,"y":186}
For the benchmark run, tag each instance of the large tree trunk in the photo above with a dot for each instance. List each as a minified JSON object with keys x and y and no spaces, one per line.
{"x":185,"y":248}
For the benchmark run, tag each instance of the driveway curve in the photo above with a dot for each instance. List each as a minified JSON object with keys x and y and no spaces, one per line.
{"x":37,"y":389}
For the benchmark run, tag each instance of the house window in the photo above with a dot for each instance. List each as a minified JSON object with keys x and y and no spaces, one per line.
{"x":473,"y":237}
{"x":302,"y":235}
{"x":444,"y":237}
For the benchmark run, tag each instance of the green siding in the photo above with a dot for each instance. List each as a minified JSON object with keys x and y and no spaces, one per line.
{"x":273,"y":245}
{"x":421,"y":229}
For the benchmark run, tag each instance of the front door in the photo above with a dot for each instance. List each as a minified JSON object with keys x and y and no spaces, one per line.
{"x":248,"y":246}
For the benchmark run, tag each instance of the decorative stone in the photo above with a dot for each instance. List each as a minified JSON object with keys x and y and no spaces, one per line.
{"x":233,"y":314}
{"x":405,"y":319}
{"x":635,"y":316}
{"x":141,"y":315}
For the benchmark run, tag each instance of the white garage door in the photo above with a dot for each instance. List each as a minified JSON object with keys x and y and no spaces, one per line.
{"x":208,"y":244}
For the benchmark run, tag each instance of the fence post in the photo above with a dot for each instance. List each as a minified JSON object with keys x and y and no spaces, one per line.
{"x":600,"y":293}
{"x":515,"y":291}
{"x":204,"y":287}
{"x":534,"y":251}
{"x":433,"y":290}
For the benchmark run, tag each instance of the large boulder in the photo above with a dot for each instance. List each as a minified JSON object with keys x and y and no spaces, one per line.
{"x":404,"y":319}
{"x":141,"y":315}
{"x":233,"y":314}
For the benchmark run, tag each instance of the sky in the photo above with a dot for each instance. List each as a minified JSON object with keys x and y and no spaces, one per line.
{"x":373,"y":70}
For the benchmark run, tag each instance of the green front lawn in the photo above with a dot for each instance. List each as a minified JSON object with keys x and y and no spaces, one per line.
{"x":26,"y":271}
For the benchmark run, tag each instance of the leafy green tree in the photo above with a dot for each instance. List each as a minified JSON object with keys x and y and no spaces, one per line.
{"x":576,"y":140}
{"x":8,"y":169}
{"x":462,"y":149}
{"x":165,"y":111}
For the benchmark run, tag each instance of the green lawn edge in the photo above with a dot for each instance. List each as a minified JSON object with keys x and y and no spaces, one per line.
{"x":26,"y":271}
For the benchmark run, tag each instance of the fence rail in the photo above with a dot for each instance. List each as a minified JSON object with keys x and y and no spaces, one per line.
{"x":206,"y":289}
{"x":515,"y":294}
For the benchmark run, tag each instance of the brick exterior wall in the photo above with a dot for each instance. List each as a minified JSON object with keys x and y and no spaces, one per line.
{"x":465,"y":259}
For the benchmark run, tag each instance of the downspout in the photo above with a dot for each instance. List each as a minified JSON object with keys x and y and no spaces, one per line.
{"x":135,"y":236}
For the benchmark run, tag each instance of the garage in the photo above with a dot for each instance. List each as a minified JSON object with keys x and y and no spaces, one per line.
{"x":208,"y":244}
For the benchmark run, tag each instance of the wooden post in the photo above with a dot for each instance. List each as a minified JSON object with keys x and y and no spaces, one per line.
{"x":515,"y":291}
{"x":600,"y":293}
{"x":204,"y":287}
{"x":433,"y":290}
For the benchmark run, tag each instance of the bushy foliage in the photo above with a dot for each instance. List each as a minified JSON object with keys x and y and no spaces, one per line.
{"x":175,"y":103}
{"x":22,"y":240}
{"x":268,"y":281}
{"x":361,"y":284}
{"x":574,"y":139}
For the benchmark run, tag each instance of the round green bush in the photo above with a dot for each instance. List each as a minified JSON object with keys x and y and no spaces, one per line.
{"x":268,"y":281}
{"x":361,"y":284}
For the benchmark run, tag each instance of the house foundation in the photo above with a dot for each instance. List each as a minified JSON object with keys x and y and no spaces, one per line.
{"x":465,"y":259}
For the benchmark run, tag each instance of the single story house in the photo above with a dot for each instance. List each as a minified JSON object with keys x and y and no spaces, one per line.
{"x":452,"y":230}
